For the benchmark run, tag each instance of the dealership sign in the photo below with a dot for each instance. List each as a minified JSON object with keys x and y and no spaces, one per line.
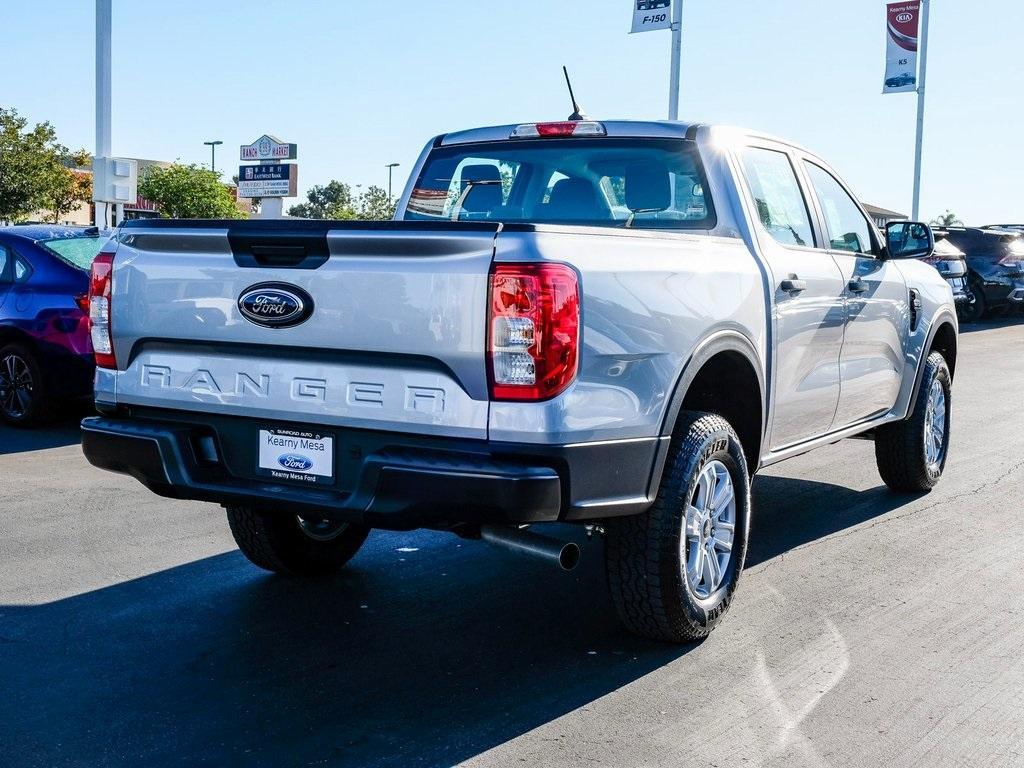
{"x":649,"y":15}
{"x":269,"y":148}
{"x":903,"y":22}
{"x":274,"y":180}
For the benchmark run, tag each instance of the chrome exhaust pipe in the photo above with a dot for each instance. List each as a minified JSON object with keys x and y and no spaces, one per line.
{"x":565,"y":553}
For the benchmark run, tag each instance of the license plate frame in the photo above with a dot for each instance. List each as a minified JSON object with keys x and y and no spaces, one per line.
{"x":302,"y":456}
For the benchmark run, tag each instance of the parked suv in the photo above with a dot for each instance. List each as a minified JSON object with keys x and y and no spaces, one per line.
{"x":995,"y":262}
{"x":951,"y":263}
{"x":45,"y":353}
{"x":610,"y":324}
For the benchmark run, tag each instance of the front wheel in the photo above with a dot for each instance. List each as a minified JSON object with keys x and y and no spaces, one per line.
{"x":294,"y":545}
{"x":911,"y":454}
{"x":673,"y":570}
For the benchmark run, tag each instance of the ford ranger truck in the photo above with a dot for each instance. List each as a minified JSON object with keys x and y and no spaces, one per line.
{"x":609,"y":324}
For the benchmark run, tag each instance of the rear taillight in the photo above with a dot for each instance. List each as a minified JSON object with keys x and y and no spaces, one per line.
{"x":99,"y":309}
{"x":534,"y":330}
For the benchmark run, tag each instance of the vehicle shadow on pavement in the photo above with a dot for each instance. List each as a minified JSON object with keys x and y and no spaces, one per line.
{"x":428,"y":651}
{"x":991,"y":323}
{"x":64,"y":431}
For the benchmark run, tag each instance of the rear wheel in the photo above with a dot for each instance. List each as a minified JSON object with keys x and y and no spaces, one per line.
{"x":972,"y":313}
{"x":24,"y":395}
{"x":295,"y":545}
{"x":911,"y":454}
{"x":673,"y":570}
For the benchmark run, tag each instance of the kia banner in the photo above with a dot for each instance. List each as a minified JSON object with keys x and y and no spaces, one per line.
{"x":903,"y":21}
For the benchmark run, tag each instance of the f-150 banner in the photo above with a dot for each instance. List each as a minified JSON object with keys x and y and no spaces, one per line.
{"x":903,"y":22}
{"x":649,"y":15}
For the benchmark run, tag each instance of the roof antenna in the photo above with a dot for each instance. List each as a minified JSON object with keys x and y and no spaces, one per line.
{"x":577,"y":112}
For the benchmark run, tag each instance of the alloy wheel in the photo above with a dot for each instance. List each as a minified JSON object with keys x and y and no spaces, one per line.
{"x":16,"y":386}
{"x":710,"y":528}
{"x":935,"y":426}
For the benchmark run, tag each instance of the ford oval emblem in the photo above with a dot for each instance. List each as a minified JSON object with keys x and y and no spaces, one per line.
{"x":275,"y":305}
{"x":294,"y":461}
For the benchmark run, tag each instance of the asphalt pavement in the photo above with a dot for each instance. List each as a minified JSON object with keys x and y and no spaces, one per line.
{"x":870,"y":628}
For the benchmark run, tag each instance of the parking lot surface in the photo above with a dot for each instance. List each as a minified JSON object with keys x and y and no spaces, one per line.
{"x":869,"y":629}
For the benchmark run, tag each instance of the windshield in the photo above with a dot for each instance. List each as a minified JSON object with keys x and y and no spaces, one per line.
{"x":641,"y":183}
{"x":76,"y":251}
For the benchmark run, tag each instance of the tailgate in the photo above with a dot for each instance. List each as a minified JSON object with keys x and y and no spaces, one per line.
{"x":395,"y":340}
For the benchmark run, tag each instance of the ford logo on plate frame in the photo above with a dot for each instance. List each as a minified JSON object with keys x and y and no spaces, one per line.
{"x":295,"y":461}
{"x":275,"y":305}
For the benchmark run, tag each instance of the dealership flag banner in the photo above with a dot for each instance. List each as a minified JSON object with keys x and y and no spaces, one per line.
{"x":649,"y":15}
{"x":903,"y":21}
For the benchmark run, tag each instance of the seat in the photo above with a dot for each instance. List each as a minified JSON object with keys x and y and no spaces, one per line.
{"x":485,"y":195}
{"x":574,"y":199}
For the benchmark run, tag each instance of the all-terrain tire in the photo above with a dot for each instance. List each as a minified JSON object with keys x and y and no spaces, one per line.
{"x":900,"y":448}
{"x":281,"y":542}
{"x":646,"y":555}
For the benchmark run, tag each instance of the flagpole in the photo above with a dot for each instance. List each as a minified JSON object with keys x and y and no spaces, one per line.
{"x":920,"y":111}
{"x":677,"y":53}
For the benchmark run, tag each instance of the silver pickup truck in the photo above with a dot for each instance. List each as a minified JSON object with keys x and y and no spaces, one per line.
{"x":612,"y":324}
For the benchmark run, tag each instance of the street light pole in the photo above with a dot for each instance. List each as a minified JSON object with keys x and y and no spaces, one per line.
{"x":920,"y":111}
{"x":103,"y":32}
{"x":213,"y":153}
{"x":677,"y":56}
{"x":390,"y":167}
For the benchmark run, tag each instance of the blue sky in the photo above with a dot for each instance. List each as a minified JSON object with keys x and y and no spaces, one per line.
{"x":360,"y":84}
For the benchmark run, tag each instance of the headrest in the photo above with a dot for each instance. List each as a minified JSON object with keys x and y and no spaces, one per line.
{"x":483,"y":197}
{"x":648,"y":187}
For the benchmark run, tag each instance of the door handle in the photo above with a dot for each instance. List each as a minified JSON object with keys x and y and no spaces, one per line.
{"x":793,"y":285}
{"x":857,"y":285}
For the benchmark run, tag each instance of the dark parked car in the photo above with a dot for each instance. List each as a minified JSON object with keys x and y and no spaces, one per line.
{"x":46,"y":355}
{"x":995,"y":268}
{"x":951,"y":263}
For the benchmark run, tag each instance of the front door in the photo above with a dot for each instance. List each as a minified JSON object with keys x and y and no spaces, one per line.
{"x":871,"y":362}
{"x":807,"y":299}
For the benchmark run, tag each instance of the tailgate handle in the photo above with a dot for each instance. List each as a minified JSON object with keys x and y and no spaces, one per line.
{"x":272,"y":255}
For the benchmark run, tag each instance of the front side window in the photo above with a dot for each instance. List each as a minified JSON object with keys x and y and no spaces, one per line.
{"x":5,"y":264}
{"x":848,"y":230}
{"x":780,"y":203}
{"x":608,"y":182}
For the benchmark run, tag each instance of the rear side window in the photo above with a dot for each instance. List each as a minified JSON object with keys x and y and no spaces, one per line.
{"x":777,"y":196}
{"x":5,"y":264}
{"x":77,"y":251}
{"x":848,"y":230}
{"x":609,"y":182}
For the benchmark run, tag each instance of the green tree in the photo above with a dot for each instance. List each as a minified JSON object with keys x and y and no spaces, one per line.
{"x":336,"y":201}
{"x":948,"y":219}
{"x":330,"y":201}
{"x":188,"y":192}
{"x":373,"y":204}
{"x":31,"y":165}
{"x":69,"y":187}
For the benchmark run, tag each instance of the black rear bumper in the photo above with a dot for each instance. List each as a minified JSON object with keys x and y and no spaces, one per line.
{"x":388,"y":481}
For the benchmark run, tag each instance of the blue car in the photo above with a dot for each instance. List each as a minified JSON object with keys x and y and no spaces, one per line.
{"x":45,"y":349}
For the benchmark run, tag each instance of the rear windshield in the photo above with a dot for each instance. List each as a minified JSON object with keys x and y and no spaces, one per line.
{"x":641,"y":183}
{"x":76,"y":251}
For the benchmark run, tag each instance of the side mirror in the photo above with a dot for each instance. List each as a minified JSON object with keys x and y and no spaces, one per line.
{"x":909,"y":240}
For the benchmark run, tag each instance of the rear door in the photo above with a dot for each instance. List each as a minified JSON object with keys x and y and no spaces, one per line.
{"x":807,"y":307}
{"x":872,"y":359}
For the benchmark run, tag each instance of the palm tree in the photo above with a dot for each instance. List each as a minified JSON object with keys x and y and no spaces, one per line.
{"x":948,"y":219}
